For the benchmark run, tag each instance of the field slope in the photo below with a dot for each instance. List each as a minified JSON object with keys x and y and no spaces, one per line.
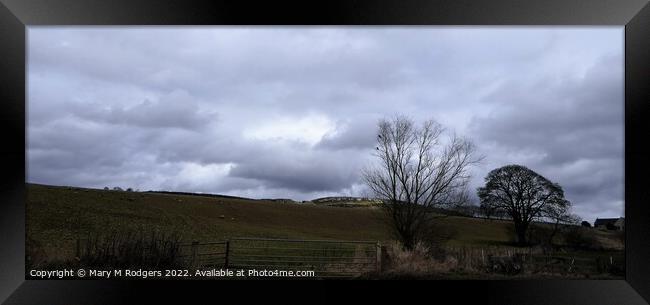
{"x":57,"y":216}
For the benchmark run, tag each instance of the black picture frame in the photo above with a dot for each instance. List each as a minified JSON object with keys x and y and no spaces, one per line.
{"x":16,"y":15}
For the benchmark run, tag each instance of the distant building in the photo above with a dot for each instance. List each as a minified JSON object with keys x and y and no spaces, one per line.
{"x":616,"y":224}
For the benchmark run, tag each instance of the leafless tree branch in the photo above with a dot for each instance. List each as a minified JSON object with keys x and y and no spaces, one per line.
{"x":417,"y":170}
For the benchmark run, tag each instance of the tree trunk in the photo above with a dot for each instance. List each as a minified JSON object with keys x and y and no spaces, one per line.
{"x":555,"y":229}
{"x":408,"y":241}
{"x":521,"y":237}
{"x":521,"y":233}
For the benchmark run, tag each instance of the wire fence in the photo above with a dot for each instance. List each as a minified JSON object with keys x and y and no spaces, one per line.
{"x":326,"y":258}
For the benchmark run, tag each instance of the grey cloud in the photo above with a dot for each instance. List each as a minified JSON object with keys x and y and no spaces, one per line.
{"x":311,"y":172}
{"x":357,"y":133}
{"x":176,"y":109}
{"x":566,"y":120}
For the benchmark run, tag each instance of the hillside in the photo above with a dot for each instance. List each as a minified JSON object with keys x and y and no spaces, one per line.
{"x":348,"y":202}
{"x":57,"y":216}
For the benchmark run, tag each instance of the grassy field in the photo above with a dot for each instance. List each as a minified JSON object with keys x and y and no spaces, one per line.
{"x":57,"y":216}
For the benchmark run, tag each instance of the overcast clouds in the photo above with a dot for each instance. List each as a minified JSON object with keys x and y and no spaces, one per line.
{"x":292,"y":112}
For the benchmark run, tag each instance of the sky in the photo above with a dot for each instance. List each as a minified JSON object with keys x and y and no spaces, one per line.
{"x":292,"y":112}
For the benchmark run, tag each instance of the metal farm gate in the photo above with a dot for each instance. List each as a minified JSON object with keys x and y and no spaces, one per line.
{"x":327,"y":258}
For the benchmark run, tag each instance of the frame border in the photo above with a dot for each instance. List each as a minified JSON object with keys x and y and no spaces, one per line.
{"x":16,"y":15}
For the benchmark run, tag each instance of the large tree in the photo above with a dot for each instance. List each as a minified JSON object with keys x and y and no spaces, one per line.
{"x":418,"y":169}
{"x":524,"y":195}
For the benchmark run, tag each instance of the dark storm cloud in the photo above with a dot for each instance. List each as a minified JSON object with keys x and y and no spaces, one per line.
{"x":292,"y":112}
{"x":310,"y":175}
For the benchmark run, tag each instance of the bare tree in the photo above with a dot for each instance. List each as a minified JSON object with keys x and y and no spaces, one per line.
{"x":418,"y":169}
{"x":524,"y":195}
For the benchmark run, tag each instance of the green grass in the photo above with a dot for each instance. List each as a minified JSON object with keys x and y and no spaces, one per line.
{"x":57,"y":216}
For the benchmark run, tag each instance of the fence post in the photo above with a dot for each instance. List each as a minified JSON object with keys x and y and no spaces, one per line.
{"x":378,"y":260}
{"x":225,"y":263}
{"x":195,"y":245}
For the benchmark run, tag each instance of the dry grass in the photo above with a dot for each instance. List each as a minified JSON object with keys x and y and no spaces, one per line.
{"x":493,"y":262}
{"x":416,"y":262}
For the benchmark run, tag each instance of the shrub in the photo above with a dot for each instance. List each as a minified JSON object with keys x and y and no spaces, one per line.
{"x":414,"y":263}
{"x":620,"y":236}
{"x":611,"y":265}
{"x":539,"y":235}
{"x":578,"y":237}
{"x":435,"y":238}
{"x":34,"y":254}
{"x":616,"y":269}
{"x":128,"y":249}
{"x":509,"y":265}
